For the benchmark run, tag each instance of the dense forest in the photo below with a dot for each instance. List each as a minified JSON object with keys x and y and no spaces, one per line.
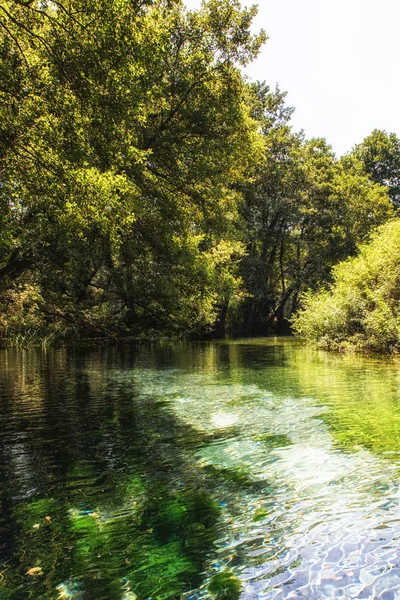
{"x":149,"y":188}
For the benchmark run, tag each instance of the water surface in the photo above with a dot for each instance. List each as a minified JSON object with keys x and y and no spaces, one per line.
{"x":144,"y":472}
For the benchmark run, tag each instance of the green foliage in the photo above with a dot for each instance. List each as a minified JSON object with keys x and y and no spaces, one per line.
{"x":149,"y":189}
{"x":379,"y":157}
{"x":361,"y":309}
{"x":126,"y":127}
{"x":304,"y":212}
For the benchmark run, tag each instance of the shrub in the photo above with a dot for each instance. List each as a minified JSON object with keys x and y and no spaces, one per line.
{"x":361,"y":309}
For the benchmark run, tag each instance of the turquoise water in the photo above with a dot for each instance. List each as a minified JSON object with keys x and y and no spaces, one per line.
{"x":146,"y":472}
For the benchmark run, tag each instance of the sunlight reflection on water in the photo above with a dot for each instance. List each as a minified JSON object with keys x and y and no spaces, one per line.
{"x":122,"y":448}
{"x":332,"y":517}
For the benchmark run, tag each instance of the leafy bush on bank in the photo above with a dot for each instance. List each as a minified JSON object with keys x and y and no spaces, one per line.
{"x":361,"y":309}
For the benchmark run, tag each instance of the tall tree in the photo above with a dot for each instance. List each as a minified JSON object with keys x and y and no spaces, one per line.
{"x":379,"y":154}
{"x":303,"y":213}
{"x":125,"y":126}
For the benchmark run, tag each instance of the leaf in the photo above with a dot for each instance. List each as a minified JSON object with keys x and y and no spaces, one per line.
{"x":35,"y":571}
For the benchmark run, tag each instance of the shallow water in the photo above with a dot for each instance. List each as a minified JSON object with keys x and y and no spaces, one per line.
{"x":143,"y":472}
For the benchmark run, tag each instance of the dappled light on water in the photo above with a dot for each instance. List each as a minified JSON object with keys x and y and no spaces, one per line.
{"x":147,"y":472}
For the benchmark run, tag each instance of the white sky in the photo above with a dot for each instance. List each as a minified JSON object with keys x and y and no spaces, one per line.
{"x":339,"y":61}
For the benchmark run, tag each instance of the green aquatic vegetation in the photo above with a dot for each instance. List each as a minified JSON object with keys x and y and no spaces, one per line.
{"x":35,"y":512}
{"x":225,"y":586}
{"x":166,"y":542}
{"x":85,"y":524}
{"x":359,"y":396}
{"x":161,"y":570}
{"x":154,"y":534}
{"x":44,"y":552}
{"x":234,"y":475}
{"x":130,"y":493}
{"x":188,"y":515}
{"x":260,"y":514}
{"x":274,"y":441}
{"x":369,"y":427}
{"x":163,"y":554}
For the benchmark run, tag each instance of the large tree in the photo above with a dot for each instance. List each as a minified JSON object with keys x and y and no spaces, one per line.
{"x":125,"y":126}
{"x":379,"y":157}
{"x":303,"y":213}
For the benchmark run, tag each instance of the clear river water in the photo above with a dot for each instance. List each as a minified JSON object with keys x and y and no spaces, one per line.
{"x":259,"y":469}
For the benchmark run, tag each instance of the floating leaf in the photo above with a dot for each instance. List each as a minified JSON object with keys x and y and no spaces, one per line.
{"x":35,"y":571}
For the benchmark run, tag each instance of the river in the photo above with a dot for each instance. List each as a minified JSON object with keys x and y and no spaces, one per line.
{"x":258,"y":468}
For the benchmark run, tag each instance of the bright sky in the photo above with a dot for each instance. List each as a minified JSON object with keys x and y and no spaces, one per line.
{"x":339,"y":61}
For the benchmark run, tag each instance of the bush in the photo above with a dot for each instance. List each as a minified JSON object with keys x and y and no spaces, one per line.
{"x":361,"y":309}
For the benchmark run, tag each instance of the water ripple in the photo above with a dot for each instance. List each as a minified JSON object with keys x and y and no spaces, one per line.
{"x":332,"y":526}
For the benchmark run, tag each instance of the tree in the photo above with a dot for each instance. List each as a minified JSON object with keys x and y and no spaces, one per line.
{"x":379,"y":155}
{"x":125,"y":127}
{"x":303,"y":213}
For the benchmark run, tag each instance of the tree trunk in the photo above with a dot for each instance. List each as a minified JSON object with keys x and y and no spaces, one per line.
{"x":15,"y":266}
